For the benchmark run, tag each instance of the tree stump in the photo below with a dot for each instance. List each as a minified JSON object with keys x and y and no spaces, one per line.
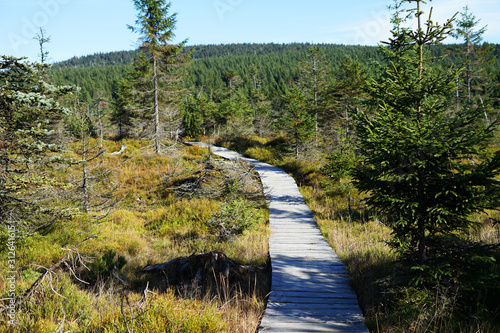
{"x":208,"y":271}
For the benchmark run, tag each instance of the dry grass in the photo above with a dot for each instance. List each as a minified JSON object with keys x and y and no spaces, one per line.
{"x":489,"y":231}
{"x":108,"y":308}
{"x":242,"y":312}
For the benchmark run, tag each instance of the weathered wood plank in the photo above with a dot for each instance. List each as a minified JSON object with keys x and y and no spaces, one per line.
{"x":309,"y":296}
{"x":310,"y":278}
{"x":304,"y":255}
{"x":335,"y":313}
{"x":283,"y":260}
{"x":319,"y":248}
{"x":314,"y":287}
{"x":278,"y":327}
{"x":306,"y":319}
{"x":276,"y":236}
{"x":308,"y":271}
{"x":344,"y":301}
{"x":311,"y":305}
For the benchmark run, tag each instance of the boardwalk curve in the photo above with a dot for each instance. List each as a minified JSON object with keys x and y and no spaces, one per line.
{"x":310,"y":289}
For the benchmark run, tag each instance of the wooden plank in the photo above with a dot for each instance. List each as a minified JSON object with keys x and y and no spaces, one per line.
{"x":306,"y":277}
{"x":286,"y":236}
{"x":298,"y":247}
{"x":310,"y":294}
{"x":333,"y":327}
{"x":315,"y":247}
{"x":339,"y":287}
{"x":306,"y":272}
{"x":284,"y":259}
{"x":338,"y":314}
{"x":321,"y":272}
{"x":318,"y":283}
{"x":305,"y":319}
{"x":352,"y":307}
{"x":291,"y":241}
{"x":312,"y":297}
{"x":309,"y":266}
{"x":285,"y":222}
{"x":293,"y":229}
{"x":283,"y":229}
{"x":305,"y":254}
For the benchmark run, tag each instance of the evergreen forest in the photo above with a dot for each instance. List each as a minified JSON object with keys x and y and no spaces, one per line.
{"x":277,"y":64}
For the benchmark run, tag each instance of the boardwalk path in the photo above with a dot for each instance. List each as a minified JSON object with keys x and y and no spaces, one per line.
{"x":310,"y":289}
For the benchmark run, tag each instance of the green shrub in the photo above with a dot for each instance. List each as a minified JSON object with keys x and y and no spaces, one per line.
{"x":103,"y":266}
{"x":233,"y":219}
{"x":30,"y":275}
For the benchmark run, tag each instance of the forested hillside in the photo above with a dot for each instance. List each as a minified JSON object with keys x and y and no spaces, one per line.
{"x":277,"y":65}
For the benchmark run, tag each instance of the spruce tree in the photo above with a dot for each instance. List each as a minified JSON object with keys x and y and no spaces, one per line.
{"x":415,"y":144}
{"x":314,"y":81}
{"x":477,"y":58}
{"x":122,"y":114}
{"x":158,"y":71}
{"x":262,"y":113}
{"x":28,"y":105}
{"x":346,"y":92}
{"x":235,"y":112}
{"x":198,"y":114}
{"x":296,"y":120}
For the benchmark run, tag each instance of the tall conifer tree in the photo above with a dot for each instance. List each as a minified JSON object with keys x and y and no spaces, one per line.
{"x":122,"y":114}
{"x":158,"y":72}
{"x":28,"y":104}
{"x":297,"y":121}
{"x":314,"y":82}
{"x":414,"y":146}
{"x":477,"y":58}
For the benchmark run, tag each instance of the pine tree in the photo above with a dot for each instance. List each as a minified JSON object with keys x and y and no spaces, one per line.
{"x":262,"y":113}
{"x":346,"y":92}
{"x":27,"y":106}
{"x":199,"y":114}
{"x":297,"y":121}
{"x":158,"y":71}
{"x":314,"y":81}
{"x":414,"y":147}
{"x":122,"y":114}
{"x":477,"y":58}
{"x":235,"y":113}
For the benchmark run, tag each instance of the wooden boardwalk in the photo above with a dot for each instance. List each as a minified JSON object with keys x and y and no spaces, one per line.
{"x":310,"y":289}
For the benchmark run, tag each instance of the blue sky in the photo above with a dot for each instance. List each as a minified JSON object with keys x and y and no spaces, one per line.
{"x":82,"y":27}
